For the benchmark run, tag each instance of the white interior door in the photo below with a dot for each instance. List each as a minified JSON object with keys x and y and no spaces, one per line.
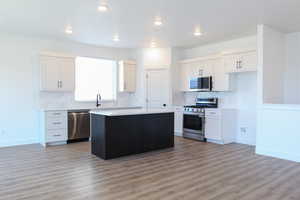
{"x":158,"y":88}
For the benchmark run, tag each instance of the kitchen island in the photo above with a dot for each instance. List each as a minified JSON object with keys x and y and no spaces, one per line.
{"x":119,"y":133}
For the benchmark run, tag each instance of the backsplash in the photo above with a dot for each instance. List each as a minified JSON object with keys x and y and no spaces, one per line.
{"x":226,"y":99}
{"x":67,"y":100}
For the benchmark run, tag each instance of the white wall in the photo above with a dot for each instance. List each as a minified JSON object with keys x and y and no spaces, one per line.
{"x":273,"y":62}
{"x":19,"y":84}
{"x":278,"y":123}
{"x":241,"y":44}
{"x":244,"y":94}
{"x":278,"y":131}
{"x":292,"y":73}
{"x":151,"y":59}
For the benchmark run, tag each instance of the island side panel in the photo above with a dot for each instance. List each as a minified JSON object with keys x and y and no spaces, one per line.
{"x":158,"y":131}
{"x":98,"y":132}
{"x":124,"y":135}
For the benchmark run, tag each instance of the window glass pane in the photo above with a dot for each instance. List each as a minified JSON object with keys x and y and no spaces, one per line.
{"x":95,"y":76}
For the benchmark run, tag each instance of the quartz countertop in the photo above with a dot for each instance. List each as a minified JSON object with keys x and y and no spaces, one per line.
{"x":130,"y":112}
{"x":90,"y":108}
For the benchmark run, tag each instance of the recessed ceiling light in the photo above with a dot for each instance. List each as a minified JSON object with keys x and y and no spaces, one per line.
{"x":69,"y":30}
{"x":153,"y":44}
{"x":197,"y":32}
{"x":116,"y":38}
{"x":103,"y":7}
{"x":158,"y":21}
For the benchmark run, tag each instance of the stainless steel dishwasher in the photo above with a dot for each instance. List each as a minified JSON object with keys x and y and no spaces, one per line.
{"x":78,"y":126}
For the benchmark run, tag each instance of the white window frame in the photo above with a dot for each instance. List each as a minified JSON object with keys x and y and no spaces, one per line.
{"x":115,"y":81}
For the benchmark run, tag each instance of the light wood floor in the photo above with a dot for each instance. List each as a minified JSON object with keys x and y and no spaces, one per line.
{"x":192,"y":170}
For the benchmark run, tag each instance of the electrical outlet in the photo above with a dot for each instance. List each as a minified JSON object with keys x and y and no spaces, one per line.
{"x":243,"y":130}
{"x":3,"y":132}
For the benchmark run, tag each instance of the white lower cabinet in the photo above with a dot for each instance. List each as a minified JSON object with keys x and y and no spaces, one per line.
{"x":178,"y":121}
{"x":220,"y":125}
{"x":54,"y":127}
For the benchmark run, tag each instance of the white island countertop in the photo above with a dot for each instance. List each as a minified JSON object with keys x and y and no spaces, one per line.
{"x":130,"y":112}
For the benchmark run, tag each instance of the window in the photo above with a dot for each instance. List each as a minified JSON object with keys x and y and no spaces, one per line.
{"x":95,"y":76}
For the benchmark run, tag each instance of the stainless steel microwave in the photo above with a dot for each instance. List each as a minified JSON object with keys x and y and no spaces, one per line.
{"x":201,"y":84}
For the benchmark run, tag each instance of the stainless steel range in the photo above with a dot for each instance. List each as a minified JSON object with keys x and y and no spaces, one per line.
{"x":194,"y":118}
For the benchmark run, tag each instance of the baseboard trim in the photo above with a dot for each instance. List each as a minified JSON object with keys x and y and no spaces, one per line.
{"x":178,"y":134}
{"x":281,"y":155}
{"x":18,"y":142}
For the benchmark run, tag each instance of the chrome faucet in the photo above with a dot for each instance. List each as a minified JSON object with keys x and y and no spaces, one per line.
{"x":98,"y":99}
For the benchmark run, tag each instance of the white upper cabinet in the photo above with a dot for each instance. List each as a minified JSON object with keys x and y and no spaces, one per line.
{"x":49,"y":73}
{"x":67,"y":74}
{"x":248,"y":62}
{"x":241,"y":62}
{"x":221,"y":81}
{"x":202,"y":68}
{"x":127,"y":76}
{"x":186,"y":74}
{"x":218,"y":66}
{"x":57,"y":74}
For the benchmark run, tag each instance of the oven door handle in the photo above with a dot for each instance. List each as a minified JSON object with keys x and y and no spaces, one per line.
{"x":194,"y":114}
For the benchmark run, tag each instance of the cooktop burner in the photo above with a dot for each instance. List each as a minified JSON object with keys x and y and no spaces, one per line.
{"x":195,"y":106}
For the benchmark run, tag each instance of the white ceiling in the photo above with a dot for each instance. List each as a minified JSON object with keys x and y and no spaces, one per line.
{"x":133,"y":20}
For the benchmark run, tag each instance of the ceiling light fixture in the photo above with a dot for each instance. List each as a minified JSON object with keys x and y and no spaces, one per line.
{"x":153,"y":44}
{"x":103,"y":7}
{"x":69,"y":30}
{"x":197,"y":32}
{"x":158,"y":21}
{"x":116,"y":38}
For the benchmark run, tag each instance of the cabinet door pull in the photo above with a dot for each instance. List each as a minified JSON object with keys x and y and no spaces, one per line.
{"x":56,"y":123}
{"x":201,"y":72}
{"x":56,"y":135}
{"x":58,"y":84}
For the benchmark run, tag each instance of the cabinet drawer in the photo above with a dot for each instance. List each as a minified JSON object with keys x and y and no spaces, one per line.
{"x":56,"y":114}
{"x":56,"y":123}
{"x":56,"y":135}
